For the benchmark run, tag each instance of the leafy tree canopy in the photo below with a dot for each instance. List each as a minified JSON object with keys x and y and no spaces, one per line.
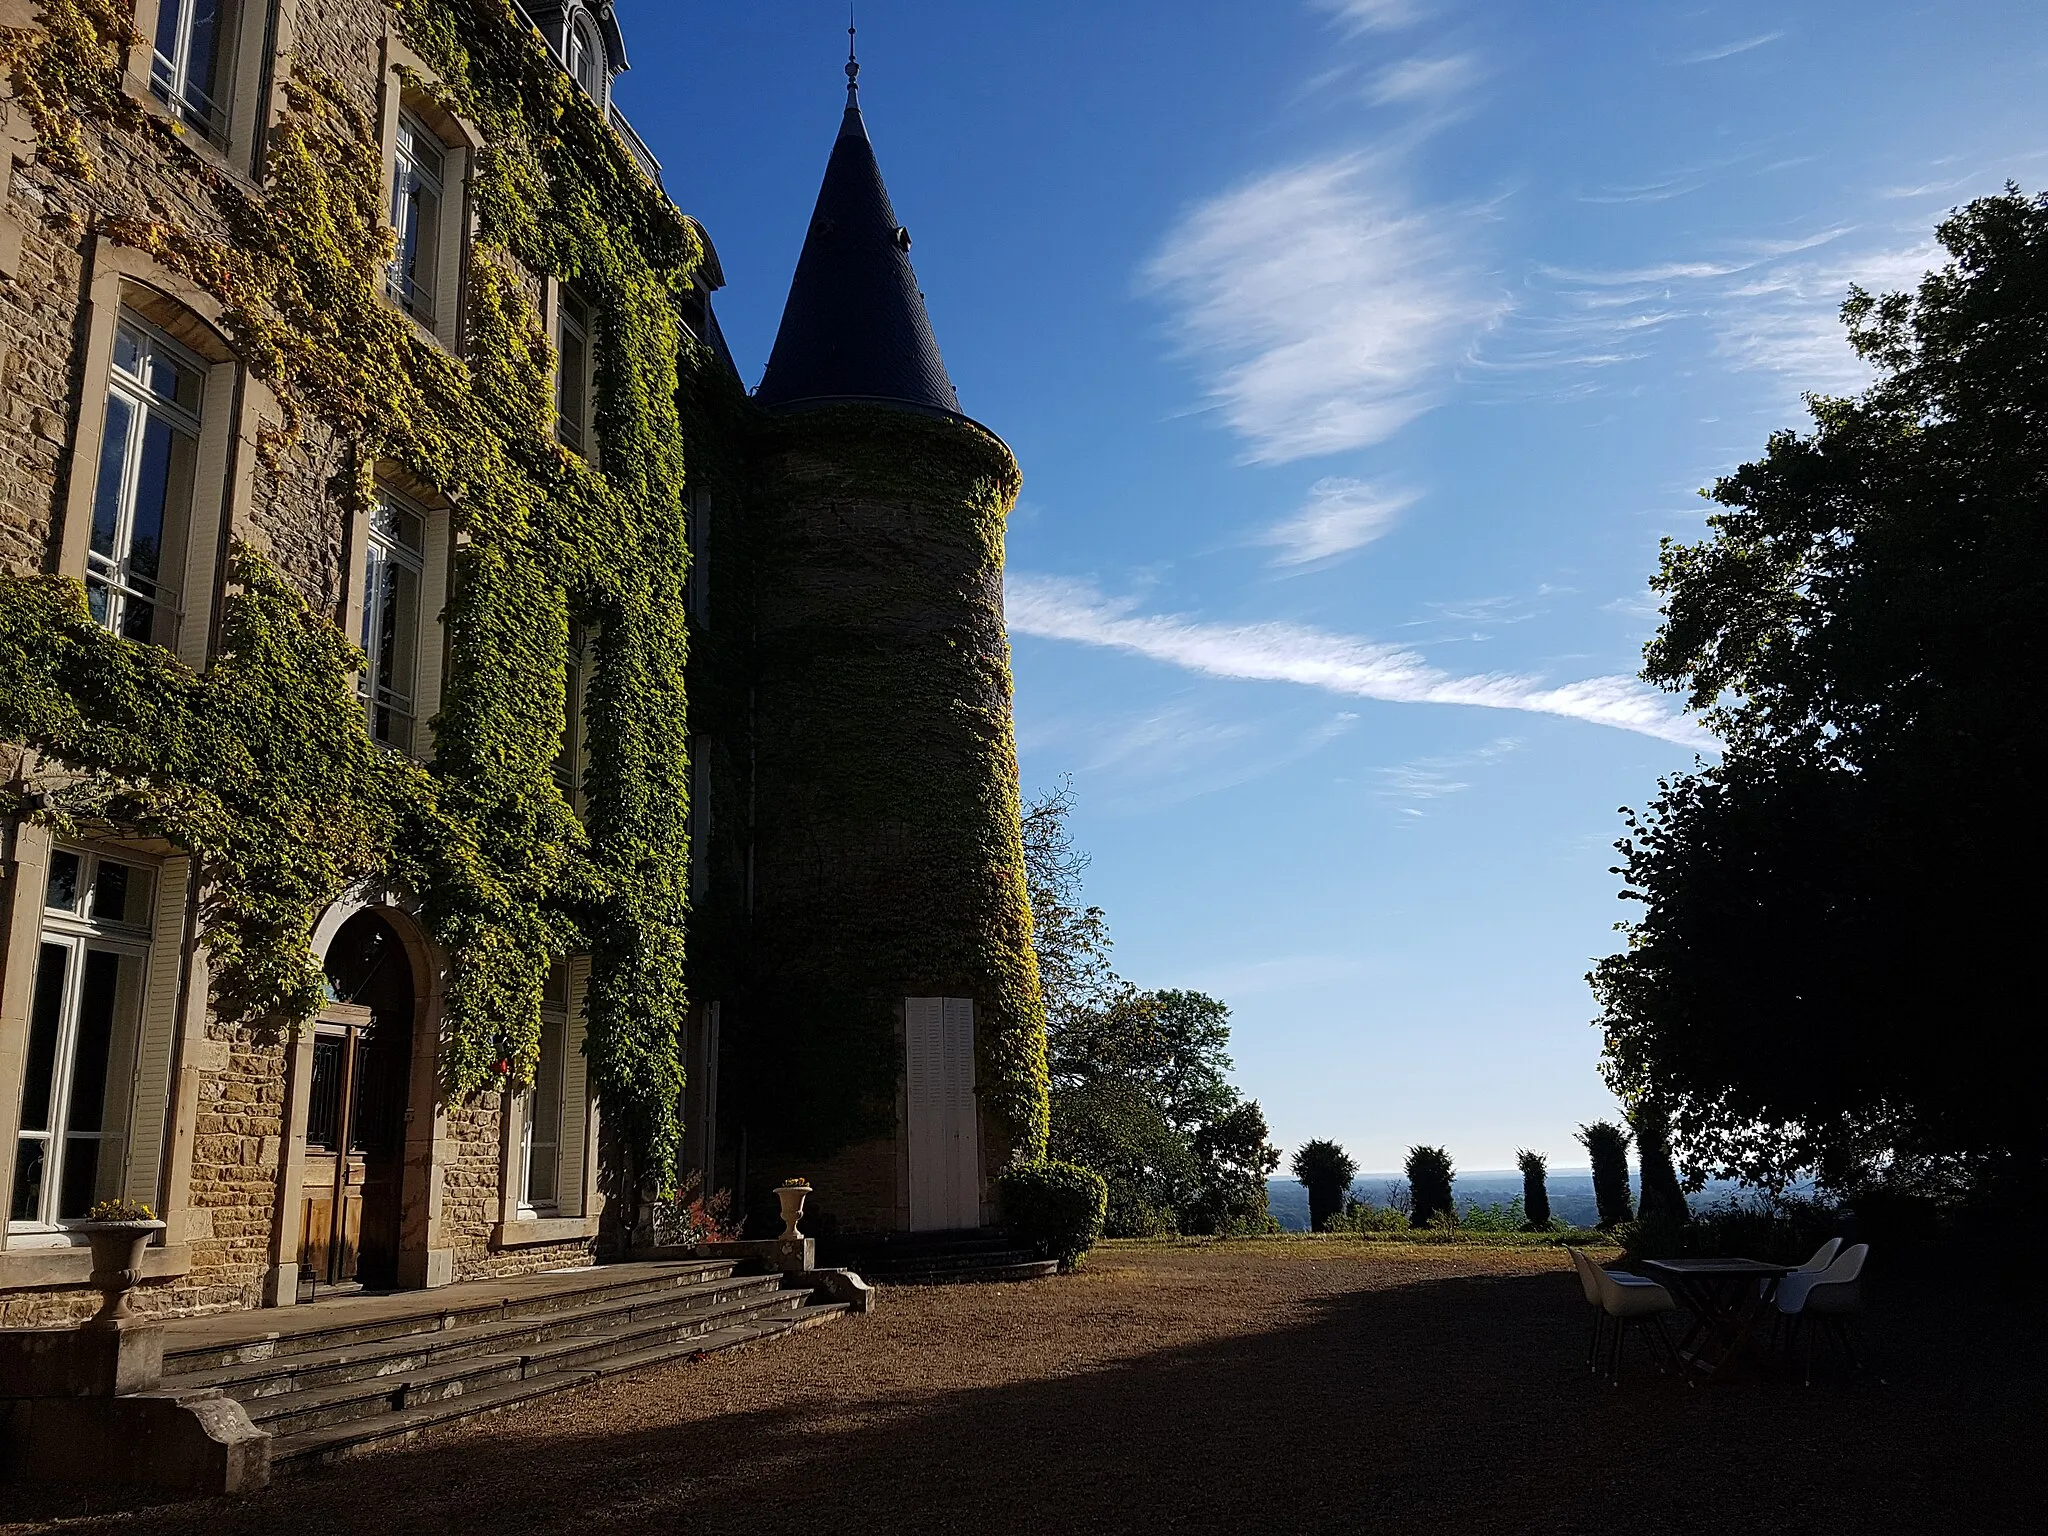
{"x":1832,"y":967}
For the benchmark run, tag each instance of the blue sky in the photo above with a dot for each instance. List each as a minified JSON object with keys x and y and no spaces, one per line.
{"x":1358,"y":353}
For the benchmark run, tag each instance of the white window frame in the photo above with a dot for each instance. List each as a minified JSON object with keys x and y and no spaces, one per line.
{"x":576,"y":433}
{"x":532,"y":1151}
{"x":697,"y":594}
{"x":409,"y":172}
{"x":384,"y":556}
{"x":113,"y":573}
{"x":574,"y":756}
{"x":171,"y":75}
{"x":82,"y":931}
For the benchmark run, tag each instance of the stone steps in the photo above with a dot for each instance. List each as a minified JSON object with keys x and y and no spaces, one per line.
{"x":392,"y":1355}
{"x":327,"y":1384}
{"x":335,"y":1442}
{"x":285,"y":1413}
{"x":1028,"y":1268}
{"x":329,"y":1325}
{"x":944,"y":1258}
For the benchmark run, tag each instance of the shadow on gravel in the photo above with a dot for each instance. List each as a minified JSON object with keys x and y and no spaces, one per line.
{"x":1448,"y":1406}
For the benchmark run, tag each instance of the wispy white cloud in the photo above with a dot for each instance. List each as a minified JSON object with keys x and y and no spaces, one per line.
{"x":1438,"y":778}
{"x":1340,"y":515}
{"x":1184,"y":749}
{"x":1425,"y":82}
{"x":1324,"y":308}
{"x":1774,"y":306}
{"x":1928,"y":189}
{"x":1729,"y":50}
{"x":1374,"y":15}
{"x":1785,"y":317}
{"x":1056,"y":609}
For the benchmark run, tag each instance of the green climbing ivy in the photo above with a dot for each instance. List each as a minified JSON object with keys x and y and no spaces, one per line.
{"x":941,"y":778}
{"x":260,"y":767}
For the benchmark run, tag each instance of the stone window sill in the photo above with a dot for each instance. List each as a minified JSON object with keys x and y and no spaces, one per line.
{"x":541,"y":1230}
{"x":189,"y":138}
{"x":24,"y":1269}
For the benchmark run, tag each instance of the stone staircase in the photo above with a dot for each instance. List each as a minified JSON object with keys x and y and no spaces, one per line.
{"x":373,"y":1371}
{"x":938,"y":1258}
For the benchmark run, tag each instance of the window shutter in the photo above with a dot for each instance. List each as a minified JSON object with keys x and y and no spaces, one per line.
{"x":149,"y":1108}
{"x":571,"y":1197}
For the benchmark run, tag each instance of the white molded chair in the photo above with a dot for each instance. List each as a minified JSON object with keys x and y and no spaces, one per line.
{"x":1631,"y":1301}
{"x":1823,"y":1256}
{"x":1829,"y":1298}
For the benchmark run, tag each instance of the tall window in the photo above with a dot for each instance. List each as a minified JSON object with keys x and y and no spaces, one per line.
{"x":393,"y":559}
{"x":142,"y":499}
{"x":193,"y":49}
{"x":416,"y":199}
{"x":541,"y":1145}
{"x":573,"y":377}
{"x":84,"y":1015}
{"x":569,"y":759}
{"x":586,"y":58}
{"x":697,"y":595}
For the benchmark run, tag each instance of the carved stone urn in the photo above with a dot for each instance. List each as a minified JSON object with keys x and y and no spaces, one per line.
{"x":117,"y":1263}
{"x":792,"y":1197}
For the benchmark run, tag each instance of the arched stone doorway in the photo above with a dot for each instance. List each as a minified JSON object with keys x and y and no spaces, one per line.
{"x":358,"y":1095}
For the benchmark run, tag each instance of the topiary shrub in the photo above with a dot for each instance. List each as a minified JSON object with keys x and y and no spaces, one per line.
{"x":1056,"y":1207}
{"x":1535,"y":1190}
{"x":1430,"y":1176}
{"x":1325,"y":1171}
{"x":1607,"y":1144}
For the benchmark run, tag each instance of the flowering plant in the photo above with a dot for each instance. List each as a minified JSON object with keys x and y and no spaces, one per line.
{"x":120,"y":1210}
{"x":690,"y":1217}
{"x":799,"y":1182}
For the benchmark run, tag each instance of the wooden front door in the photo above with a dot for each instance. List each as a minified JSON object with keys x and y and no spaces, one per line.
{"x":355,"y":1148}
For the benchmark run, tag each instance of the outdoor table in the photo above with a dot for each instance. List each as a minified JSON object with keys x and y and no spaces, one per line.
{"x":1723,"y":1297}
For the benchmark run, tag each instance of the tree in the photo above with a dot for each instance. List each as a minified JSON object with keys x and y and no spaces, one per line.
{"x":1323,"y":1169}
{"x":1663,"y":1195}
{"x":1141,"y":1090}
{"x":1535,"y":1190}
{"x":1233,"y":1159}
{"x":1071,"y":939}
{"x":1429,"y":1184}
{"x":1607,"y":1144}
{"x":1831,"y":963}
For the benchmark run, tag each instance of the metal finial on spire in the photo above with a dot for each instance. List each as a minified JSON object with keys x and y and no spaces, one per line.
{"x":852,"y":59}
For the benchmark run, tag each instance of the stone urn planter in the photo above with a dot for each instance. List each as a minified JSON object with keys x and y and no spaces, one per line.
{"x":117,"y":1262}
{"x":792,"y":1197}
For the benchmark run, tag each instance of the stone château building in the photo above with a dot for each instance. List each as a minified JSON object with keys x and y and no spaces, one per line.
{"x":475,"y":766}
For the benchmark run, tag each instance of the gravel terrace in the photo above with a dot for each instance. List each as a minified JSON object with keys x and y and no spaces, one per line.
{"x":1285,"y":1386}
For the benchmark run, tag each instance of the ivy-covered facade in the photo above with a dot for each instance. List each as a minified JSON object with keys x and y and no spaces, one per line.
{"x":476,"y":771}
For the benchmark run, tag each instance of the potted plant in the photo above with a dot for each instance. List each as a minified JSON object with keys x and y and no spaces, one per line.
{"x":118,"y":1230}
{"x":792,"y":1193}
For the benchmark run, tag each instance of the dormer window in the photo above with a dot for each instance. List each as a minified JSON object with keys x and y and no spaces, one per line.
{"x":586,"y":58}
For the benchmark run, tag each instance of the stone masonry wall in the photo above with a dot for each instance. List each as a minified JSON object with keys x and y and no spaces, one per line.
{"x":292,"y":511}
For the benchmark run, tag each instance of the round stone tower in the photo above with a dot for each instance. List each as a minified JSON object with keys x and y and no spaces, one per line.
{"x":894,"y":1044}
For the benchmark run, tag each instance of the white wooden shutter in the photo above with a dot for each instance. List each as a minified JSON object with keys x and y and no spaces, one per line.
{"x":149,"y":1105}
{"x":570,"y":1192}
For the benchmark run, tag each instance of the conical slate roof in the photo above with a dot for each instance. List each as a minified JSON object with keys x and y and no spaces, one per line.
{"x":855,"y":327}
